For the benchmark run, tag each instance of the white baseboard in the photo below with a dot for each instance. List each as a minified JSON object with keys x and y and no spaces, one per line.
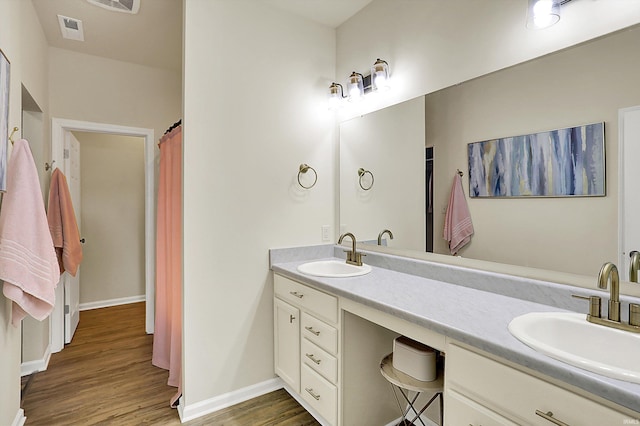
{"x":38,"y":365}
{"x":211,"y":405}
{"x":112,"y":302}
{"x":20,"y":418}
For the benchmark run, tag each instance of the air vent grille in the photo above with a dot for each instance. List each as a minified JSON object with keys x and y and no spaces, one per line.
{"x":71,"y":28}
{"x":126,"y":6}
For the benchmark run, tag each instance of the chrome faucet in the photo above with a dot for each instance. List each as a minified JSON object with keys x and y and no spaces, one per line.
{"x":380,"y":235}
{"x":353,"y":257}
{"x":634,"y":265}
{"x":609,"y":272}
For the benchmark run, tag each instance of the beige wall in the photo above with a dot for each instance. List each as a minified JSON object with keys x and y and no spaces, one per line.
{"x":112,"y":217}
{"x":90,"y":88}
{"x":255,"y":109}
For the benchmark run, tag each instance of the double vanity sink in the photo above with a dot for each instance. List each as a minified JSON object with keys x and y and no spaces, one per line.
{"x":551,"y":331}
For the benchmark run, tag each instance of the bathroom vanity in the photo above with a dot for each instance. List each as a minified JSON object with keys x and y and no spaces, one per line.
{"x":331,"y":334}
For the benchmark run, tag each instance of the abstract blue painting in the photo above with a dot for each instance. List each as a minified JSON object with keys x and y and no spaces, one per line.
{"x":558,"y":163}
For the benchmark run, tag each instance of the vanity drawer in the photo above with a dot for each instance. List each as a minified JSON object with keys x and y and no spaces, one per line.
{"x":517,"y":395}
{"x":322,"y":304}
{"x":320,"y":394}
{"x":320,"y":333}
{"x":463,"y":411}
{"x":320,"y":360}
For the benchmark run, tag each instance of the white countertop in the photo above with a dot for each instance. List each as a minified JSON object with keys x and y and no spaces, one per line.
{"x":475,"y":317}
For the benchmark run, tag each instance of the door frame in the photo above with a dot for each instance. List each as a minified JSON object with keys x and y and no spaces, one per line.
{"x":59,"y":127}
{"x":627,"y":172}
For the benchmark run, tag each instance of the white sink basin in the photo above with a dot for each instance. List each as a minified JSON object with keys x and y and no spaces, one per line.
{"x":333,"y":269}
{"x":570,"y":338}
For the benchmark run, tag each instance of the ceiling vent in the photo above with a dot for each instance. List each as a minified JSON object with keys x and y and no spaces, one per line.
{"x":126,"y":6}
{"x":71,"y":28}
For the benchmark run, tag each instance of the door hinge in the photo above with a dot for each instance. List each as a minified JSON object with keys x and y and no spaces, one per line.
{"x":66,"y":309}
{"x":65,"y":153}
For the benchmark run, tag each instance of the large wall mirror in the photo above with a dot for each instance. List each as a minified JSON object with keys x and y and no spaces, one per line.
{"x":588,"y":83}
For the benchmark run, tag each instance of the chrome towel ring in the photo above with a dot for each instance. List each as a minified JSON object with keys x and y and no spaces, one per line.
{"x":304,"y":168}
{"x":362,"y":173}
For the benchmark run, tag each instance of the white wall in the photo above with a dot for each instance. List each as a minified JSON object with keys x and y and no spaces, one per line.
{"x":255,"y":108}
{"x":433,"y":44}
{"x":112,"y":217}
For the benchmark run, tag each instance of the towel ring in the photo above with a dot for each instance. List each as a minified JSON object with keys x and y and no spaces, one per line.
{"x":304,"y":168}
{"x":362,"y":173}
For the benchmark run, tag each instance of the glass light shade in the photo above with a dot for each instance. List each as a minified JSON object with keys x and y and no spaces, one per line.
{"x":380,"y":75}
{"x":335,"y":96}
{"x":543,"y":13}
{"x":355,"y":87}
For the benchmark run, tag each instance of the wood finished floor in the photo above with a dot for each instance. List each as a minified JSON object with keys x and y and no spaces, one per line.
{"x":105,"y":377}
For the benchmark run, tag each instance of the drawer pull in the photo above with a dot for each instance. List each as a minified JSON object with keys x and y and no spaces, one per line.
{"x":312,"y":393}
{"x":296,"y":294}
{"x":311,"y":330}
{"x":549,"y":416}
{"x":311,"y":357}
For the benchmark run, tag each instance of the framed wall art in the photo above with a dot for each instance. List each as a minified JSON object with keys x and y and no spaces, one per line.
{"x":557,"y":163}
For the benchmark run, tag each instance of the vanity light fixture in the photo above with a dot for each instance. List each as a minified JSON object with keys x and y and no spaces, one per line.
{"x":355,"y":87}
{"x":358,"y":85}
{"x":336,"y":95}
{"x":543,"y":13}
{"x":380,"y":75}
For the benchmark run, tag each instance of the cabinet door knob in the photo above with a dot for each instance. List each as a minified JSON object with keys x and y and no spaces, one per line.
{"x":549,"y":417}
{"x":311,"y":330}
{"x":296,"y":294}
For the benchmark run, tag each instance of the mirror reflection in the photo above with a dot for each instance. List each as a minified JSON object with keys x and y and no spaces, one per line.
{"x":583,"y":84}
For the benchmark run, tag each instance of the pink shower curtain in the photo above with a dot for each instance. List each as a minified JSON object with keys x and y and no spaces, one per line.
{"x":167,"y":339}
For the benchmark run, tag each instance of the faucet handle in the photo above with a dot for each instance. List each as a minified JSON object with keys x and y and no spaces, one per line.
{"x":594,"y":304}
{"x":634,"y":314}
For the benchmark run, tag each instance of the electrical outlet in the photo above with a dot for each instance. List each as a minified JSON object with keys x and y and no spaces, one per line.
{"x":326,"y":233}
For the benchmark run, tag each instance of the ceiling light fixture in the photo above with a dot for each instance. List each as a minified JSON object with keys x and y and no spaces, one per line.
{"x":543,"y":13}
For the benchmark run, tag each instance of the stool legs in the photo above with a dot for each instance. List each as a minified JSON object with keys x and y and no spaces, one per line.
{"x":411,"y":403}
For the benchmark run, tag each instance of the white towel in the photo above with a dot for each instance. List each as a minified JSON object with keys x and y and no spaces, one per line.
{"x":28,"y":263}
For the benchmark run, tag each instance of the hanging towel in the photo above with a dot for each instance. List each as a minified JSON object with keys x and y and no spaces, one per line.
{"x":63,"y":225}
{"x":458,"y":228}
{"x":28,"y":264}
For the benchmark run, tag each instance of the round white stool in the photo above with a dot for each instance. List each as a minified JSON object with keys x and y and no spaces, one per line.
{"x":406,"y":384}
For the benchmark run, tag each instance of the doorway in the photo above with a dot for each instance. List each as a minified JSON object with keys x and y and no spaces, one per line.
{"x":61,"y":130}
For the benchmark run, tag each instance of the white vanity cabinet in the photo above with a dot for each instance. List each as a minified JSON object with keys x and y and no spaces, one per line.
{"x":307,"y":344}
{"x":482,"y":391}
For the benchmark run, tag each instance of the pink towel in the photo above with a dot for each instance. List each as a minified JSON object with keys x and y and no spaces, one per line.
{"x":63,"y":225}
{"x":458,"y":228}
{"x":28,"y":264}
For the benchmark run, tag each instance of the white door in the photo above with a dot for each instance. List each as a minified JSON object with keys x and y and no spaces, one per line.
{"x":72,"y":284}
{"x":629,"y":195}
